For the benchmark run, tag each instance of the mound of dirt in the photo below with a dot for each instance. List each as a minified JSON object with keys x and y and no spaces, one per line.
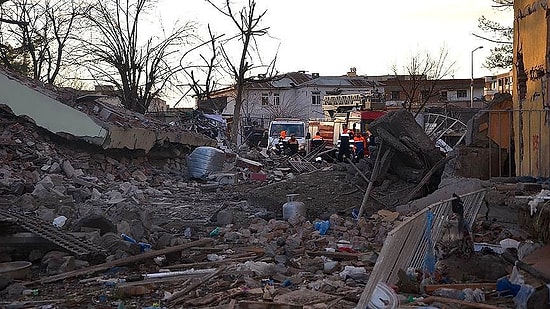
{"x":326,"y":192}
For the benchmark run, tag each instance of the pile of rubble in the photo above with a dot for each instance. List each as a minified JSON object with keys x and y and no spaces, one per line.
{"x":166,"y":240}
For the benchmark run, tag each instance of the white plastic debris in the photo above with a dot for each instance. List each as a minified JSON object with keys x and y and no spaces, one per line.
{"x":59,"y":221}
{"x":539,"y":198}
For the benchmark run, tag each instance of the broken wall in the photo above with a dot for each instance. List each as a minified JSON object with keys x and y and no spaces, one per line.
{"x":530,"y":96}
{"x":48,"y":113}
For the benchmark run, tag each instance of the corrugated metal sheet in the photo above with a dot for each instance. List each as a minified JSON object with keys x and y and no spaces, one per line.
{"x":408,"y":244}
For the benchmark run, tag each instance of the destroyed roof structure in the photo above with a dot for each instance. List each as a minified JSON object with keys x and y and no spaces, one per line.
{"x":73,"y":114}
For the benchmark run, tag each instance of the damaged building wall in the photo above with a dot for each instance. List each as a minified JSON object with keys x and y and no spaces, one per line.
{"x":89,"y":118}
{"x":140,"y":138}
{"x":531,"y":103}
{"x":48,"y":113}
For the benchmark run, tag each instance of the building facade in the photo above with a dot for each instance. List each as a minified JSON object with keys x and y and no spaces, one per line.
{"x":293,"y":95}
{"x":531,"y":111}
{"x":435,"y":93}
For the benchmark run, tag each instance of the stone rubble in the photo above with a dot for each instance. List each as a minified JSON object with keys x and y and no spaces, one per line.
{"x":152,"y":200}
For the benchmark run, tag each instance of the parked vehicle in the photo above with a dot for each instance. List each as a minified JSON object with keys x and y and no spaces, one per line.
{"x":290,"y":126}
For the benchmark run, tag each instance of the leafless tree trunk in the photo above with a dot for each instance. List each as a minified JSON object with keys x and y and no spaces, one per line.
{"x":248,"y":24}
{"x":42,"y":34}
{"x":422,"y":73}
{"x":139,"y":68}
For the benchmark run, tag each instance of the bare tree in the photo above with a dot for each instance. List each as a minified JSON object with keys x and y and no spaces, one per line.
{"x":9,"y":20}
{"x":422,"y":73}
{"x":248,"y":22}
{"x":501,"y":55}
{"x":202,"y":77}
{"x":139,"y":68}
{"x":41,"y":35}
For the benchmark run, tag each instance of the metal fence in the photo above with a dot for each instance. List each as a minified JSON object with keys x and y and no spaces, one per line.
{"x":407,"y":245}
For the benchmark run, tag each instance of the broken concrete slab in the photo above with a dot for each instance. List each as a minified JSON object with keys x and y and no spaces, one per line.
{"x":89,"y":119}
{"x":253,"y":166}
{"x":46,"y":112}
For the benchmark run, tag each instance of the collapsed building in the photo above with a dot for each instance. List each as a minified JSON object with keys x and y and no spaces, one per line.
{"x":134,"y":230}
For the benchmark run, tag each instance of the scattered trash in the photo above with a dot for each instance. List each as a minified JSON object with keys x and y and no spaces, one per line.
{"x":355,"y":214}
{"x":187,"y":232}
{"x":537,"y":199}
{"x":356,"y":273}
{"x":498,"y":249}
{"x":60,"y":221}
{"x":215,"y":232}
{"x":142,"y":246}
{"x":215,"y":257}
{"x":31,"y":292}
{"x":515,"y":286}
{"x":322,"y":227}
{"x":383,"y":297}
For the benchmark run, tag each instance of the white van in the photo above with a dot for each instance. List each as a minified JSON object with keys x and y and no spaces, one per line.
{"x":291,"y":126}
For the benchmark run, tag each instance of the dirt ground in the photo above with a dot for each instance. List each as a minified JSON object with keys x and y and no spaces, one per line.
{"x":332,"y":190}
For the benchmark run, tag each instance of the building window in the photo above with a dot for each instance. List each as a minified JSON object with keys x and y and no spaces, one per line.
{"x":276,"y":99}
{"x":315,"y":98}
{"x":265,"y":99}
{"x":443,"y":95}
{"x":395,"y":95}
{"x":461,"y":94}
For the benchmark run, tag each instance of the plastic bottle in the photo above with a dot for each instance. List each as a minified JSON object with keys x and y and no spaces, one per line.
{"x":450,"y":293}
{"x":30,"y":292}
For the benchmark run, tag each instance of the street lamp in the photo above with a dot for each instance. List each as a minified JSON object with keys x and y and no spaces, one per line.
{"x":472,"y":80}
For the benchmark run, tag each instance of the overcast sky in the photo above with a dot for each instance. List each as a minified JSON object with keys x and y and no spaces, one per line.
{"x":330,"y":36}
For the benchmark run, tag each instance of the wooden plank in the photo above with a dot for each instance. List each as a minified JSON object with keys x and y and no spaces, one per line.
{"x":460,"y":286}
{"x":266,"y":305}
{"x":125,"y":261}
{"x":433,"y":299}
{"x":237,"y":258}
{"x":335,"y":255}
{"x":526,"y":267}
{"x":179,"y":296}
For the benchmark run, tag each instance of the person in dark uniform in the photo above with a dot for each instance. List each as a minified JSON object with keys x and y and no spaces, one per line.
{"x":293,"y":144}
{"x":264,"y":140}
{"x":343,"y":150}
{"x":317,"y":141}
{"x":359,"y":145}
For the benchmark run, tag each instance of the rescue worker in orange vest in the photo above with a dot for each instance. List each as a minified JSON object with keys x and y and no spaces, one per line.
{"x":317,"y":141}
{"x":282,"y":135}
{"x":343,"y":150}
{"x":359,"y":146}
{"x":293,"y":145}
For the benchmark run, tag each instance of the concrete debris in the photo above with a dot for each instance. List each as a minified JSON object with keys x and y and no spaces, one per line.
{"x":86,"y":117}
{"x":229,"y":223}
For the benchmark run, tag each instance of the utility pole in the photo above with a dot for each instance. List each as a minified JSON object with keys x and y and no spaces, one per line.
{"x":472,"y":79}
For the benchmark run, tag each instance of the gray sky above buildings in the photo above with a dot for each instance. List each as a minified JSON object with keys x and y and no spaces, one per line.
{"x":329,"y":37}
